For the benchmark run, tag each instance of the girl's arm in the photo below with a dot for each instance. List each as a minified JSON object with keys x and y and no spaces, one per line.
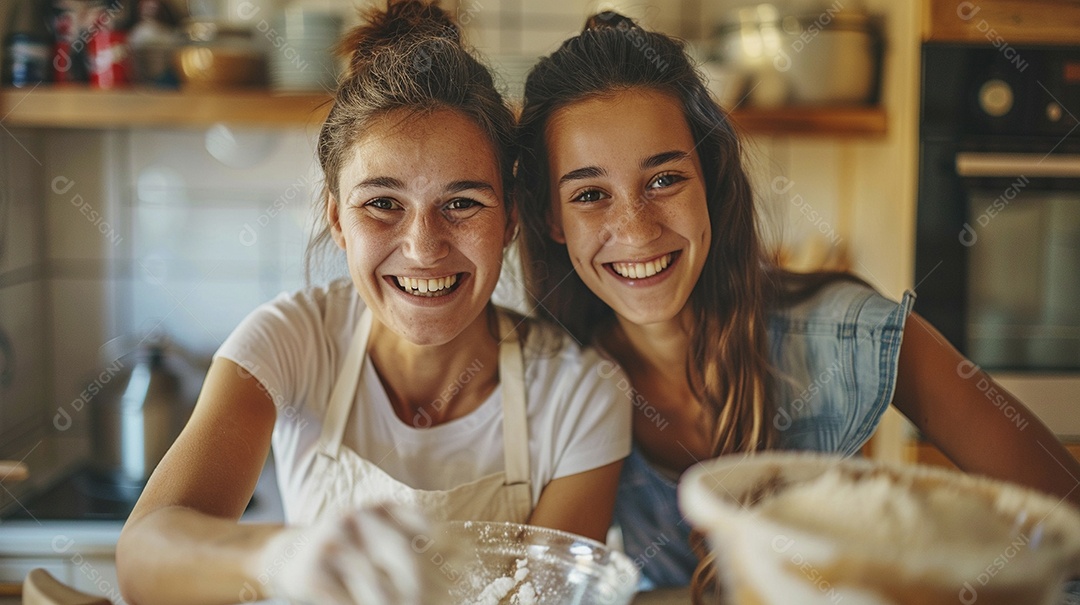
{"x":976,"y":423}
{"x":182,"y":542}
{"x":581,"y":504}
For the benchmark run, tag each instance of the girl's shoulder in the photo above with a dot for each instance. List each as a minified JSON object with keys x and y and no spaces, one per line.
{"x":835,"y":357}
{"x":841,"y":308}
{"x":551,"y":351}
{"x":330,"y":304}
{"x":544,"y":339}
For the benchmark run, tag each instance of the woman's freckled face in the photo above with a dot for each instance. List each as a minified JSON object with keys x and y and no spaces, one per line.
{"x":421,"y":216}
{"x":628,"y":200}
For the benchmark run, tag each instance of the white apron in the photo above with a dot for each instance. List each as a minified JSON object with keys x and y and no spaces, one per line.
{"x":341,"y":480}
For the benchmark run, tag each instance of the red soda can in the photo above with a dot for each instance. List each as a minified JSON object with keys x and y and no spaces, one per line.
{"x":109,"y":60}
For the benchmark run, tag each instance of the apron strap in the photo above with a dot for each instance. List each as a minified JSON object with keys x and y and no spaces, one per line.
{"x":511,"y":377}
{"x":515,"y":415}
{"x":344,"y":393}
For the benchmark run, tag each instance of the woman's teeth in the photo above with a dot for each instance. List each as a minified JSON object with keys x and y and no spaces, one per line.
{"x":643,"y":270}
{"x":426,"y":287}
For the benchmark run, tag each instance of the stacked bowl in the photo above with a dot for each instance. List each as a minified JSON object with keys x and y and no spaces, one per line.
{"x":302,"y":54}
{"x":816,"y":529}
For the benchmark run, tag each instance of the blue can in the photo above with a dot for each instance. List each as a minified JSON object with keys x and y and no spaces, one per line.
{"x":29,"y":60}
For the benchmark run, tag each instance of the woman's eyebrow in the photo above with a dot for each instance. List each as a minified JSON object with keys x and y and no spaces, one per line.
{"x":459,"y":186}
{"x":382,"y":182}
{"x":389,"y":182}
{"x":655,"y":161}
{"x":588,"y":172}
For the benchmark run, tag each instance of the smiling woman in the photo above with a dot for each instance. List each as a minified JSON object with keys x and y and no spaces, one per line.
{"x":641,"y":235}
{"x":660,"y":233}
{"x":400,"y":394}
{"x":423,"y":231}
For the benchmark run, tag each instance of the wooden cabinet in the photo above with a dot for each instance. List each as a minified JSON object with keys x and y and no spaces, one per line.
{"x":1002,"y":23}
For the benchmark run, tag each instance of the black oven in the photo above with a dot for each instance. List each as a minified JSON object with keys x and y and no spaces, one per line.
{"x":998,"y":224}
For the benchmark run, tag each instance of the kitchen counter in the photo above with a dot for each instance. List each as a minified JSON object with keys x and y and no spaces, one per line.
{"x":676,"y":596}
{"x":80,"y":553}
{"x":28,"y":538}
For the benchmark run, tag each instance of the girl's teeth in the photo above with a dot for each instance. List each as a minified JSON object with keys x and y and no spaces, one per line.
{"x":642,"y":270}
{"x":426,"y":287}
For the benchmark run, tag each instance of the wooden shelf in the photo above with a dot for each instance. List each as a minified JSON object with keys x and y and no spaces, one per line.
{"x":76,"y":107}
{"x":813,"y":121}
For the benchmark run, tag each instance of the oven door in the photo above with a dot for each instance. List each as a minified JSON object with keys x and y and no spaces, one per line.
{"x":1022,"y":304}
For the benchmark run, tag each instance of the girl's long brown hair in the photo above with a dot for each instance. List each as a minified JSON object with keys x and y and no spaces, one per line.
{"x":729,"y":368}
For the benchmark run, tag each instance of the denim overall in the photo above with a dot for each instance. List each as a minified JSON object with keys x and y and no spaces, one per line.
{"x":837,"y":355}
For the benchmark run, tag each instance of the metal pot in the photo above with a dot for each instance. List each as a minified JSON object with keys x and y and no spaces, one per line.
{"x":138,"y":414}
{"x":807,"y":57}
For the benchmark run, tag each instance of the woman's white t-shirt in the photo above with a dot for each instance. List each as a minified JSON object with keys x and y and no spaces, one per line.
{"x":578,"y":413}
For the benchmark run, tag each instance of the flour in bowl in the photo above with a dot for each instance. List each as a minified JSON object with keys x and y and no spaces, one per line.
{"x":502,"y":588}
{"x":881,"y":508}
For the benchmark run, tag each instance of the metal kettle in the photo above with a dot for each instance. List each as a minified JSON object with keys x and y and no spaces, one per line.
{"x":136,"y":416}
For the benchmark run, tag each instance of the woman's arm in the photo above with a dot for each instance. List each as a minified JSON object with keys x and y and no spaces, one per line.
{"x":181,"y":543}
{"x":976,"y":423}
{"x":581,"y":503}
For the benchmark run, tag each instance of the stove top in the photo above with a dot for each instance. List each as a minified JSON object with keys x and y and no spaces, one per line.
{"x":79,"y":496}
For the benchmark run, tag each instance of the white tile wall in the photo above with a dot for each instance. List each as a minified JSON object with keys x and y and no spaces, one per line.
{"x":265,"y":159}
{"x":196,"y":314}
{"x":82,"y":223}
{"x":79,"y":331}
{"x":543,"y":40}
{"x":23,"y":355}
{"x":214,"y":234}
{"x":22,"y":385}
{"x":485,"y":35}
{"x":25,"y":155}
{"x":20,"y":229}
{"x":20,"y":201}
{"x":538,"y":28}
{"x":196,"y":240}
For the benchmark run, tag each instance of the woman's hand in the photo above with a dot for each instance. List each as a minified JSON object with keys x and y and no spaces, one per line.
{"x":372,"y":556}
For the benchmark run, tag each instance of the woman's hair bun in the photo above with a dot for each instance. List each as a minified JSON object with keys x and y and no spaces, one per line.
{"x":609,"y":19}
{"x":402,"y":23}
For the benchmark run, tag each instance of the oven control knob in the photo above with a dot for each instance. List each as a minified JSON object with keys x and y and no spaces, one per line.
{"x":996,"y":97}
{"x":1053,"y":112}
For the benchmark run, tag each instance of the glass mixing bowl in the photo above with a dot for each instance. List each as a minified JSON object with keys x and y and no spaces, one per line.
{"x":488,"y":563}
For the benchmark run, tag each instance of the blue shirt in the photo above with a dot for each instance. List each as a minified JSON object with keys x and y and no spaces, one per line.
{"x":836,"y":355}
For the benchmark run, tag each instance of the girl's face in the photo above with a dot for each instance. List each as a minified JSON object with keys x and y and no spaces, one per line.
{"x":420,"y":215}
{"x":628,"y":200}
